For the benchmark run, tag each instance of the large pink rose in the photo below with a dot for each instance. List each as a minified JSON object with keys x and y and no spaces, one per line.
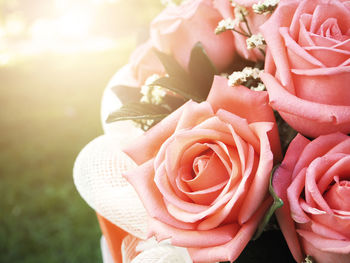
{"x":204,"y":170}
{"x":314,"y":183}
{"x":178,"y":28}
{"x":254,"y":20}
{"x":308,"y":65}
{"x":144,"y":62}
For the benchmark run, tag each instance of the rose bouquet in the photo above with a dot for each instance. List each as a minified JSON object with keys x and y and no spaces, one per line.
{"x":221,"y":93}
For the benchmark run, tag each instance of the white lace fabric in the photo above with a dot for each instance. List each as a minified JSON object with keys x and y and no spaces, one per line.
{"x":98,"y":178}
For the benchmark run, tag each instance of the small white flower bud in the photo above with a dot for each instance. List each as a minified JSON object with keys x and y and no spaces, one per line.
{"x":266,"y":7}
{"x":225,"y":24}
{"x":256,"y":41}
{"x":260,"y":87}
{"x":152,"y":94}
{"x":240,"y":12}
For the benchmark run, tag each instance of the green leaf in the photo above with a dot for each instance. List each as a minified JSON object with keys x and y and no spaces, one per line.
{"x":138,"y":111}
{"x":194,"y":84}
{"x":127,"y":94}
{"x":309,"y":259}
{"x":180,"y":87}
{"x":172,"y":67}
{"x":202,"y":70}
{"x":277,"y":203}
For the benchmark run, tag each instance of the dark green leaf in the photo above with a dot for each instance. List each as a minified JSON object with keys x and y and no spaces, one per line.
{"x":173,"y":102}
{"x":277,"y":203}
{"x":127,"y":94}
{"x":171,"y":66}
{"x":202,"y":70}
{"x":178,"y":86}
{"x":138,"y":111}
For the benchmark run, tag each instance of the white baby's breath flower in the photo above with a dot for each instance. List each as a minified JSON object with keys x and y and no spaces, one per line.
{"x":237,"y":78}
{"x":256,"y":41}
{"x":251,"y":72}
{"x":152,"y":94}
{"x":241,"y":77}
{"x":260,"y":87}
{"x":240,"y":12}
{"x":226,"y":24}
{"x":268,"y":6}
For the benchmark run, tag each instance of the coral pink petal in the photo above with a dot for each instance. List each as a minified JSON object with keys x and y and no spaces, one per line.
{"x":168,"y":193}
{"x":232,"y":249}
{"x":316,"y":170}
{"x":270,"y":29}
{"x":325,"y":244}
{"x":327,"y":117}
{"x":318,"y":147}
{"x":325,"y":231}
{"x":147,"y":145}
{"x":187,"y":238}
{"x":182,"y":140}
{"x":204,"y":178}
{"x":142,"y":180}
{"x":224,"y":7}
{"x":241,"y":127}
{"x":297,"y":49}
{"x":239,"y":100}
{"x":238,"y":196}
{"x":293,"y":193}
{"x":332,"y":162}
{"x":281,"y":180}
{"x":260,"y":183}
{"x":342,"y":147}
{"x":194,"y":114}
{"x":202,"y":197}
{"x":321,"y":41}
{"x":330,"y":10}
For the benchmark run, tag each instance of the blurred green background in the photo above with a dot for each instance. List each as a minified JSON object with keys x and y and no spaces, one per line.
{"x":56,"y":57}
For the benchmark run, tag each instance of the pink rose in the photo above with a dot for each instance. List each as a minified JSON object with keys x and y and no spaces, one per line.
{"x":254,"y":20}
{"x":178,"y":28}
{"x":204,"y":170}
{"x":144,"y":63}
{"x":308,"y":65}
{"x":314,"y":184}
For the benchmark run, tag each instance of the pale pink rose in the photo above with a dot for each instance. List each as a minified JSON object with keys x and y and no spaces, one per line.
{"x":308,"y":65}
{"x":144,"y":63}
{"x":178,"y":28}
{"x":204,"y":170}
{"x":254,"y":20}
{"x":314,"y":184}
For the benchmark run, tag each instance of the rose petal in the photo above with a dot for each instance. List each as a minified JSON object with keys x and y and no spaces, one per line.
{"x":195,"y":238}
{"x":338,"y":197}
{"x":318,"y":147}
{"x":232,"y":249}
{"x":259,"y":185}
{"x":235,"y":202}
{"x":296,"y":53}
{"x":146,"y":146}
{"x":293,"y":194}
{"x":194,"y":114}
{"x":327,"y":9}
{"x":325,"y":244}
{"x":281,"y":180}
{"x":142,"y":180}
{"x":309,"y":118}
{"x":239,"y":100}
{"x":326,"y":232}
{"x":316,"y":170}
{"x":270,"y":30}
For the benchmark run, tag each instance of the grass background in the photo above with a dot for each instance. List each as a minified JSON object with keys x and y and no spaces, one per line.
{"x":49,"y":111}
